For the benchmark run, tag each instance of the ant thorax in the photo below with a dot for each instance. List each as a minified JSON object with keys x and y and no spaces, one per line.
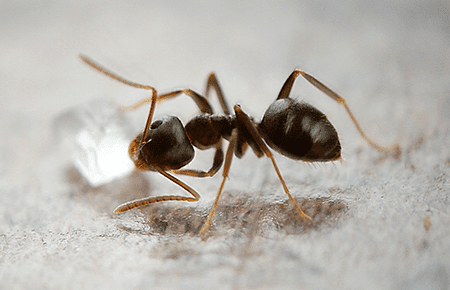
{"x":205,"y":130}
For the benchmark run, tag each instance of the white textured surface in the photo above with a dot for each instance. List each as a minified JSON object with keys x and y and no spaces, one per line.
{"x":389,"y":60}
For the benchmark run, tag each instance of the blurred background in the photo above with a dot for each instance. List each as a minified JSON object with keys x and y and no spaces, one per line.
{"x":388,"y":217}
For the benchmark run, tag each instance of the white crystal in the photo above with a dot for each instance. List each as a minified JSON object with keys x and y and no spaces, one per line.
{"x":96,"y":137}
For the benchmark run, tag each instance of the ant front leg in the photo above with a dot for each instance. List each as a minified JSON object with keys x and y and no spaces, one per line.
{"x":286,"y":90}
{"x":153,"y":199}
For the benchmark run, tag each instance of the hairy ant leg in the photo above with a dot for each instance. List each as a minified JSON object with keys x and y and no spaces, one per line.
{"x":226,"y":169}
{"x":245,"y":119}
{"x":153,"y":199}
{"x":286,"y":90}
{"x":213,"y":82}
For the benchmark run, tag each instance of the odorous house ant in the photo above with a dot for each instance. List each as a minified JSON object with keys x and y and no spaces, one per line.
{"x":295,"y":129}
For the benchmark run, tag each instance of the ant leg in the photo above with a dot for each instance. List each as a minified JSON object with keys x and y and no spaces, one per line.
{"x":226,"y":169}
{"x":153,"y":199}
{"x":213,"y":82}
{"x":217,"y":163}
{"x":245,"y":119}
{"x":286,"y":89}
{"x":199,"y":100}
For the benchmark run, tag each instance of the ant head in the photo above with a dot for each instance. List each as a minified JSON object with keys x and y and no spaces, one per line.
{"x":300,"y":131}
{"x":166,"y":146}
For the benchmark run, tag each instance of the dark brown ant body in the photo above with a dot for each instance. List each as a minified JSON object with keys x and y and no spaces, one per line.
{"x":294,"y":129}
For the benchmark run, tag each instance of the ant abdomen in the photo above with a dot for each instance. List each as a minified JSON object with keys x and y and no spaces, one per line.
{"x":300,"y":131}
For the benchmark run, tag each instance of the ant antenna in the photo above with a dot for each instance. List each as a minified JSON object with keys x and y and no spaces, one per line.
{"x":112,"y":75}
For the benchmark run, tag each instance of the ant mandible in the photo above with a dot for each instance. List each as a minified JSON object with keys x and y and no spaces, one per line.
{"x":295,"y":129}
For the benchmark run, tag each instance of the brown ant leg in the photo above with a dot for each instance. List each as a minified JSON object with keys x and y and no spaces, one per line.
{"x":217,"y":163}
{"x":213,"y":82}
{"x":205,"y":107}
{"x":226,"y":169}
{"x":245,"y":119}
{"x":199,"y":100}
{"x":286,"y":89}
{"x":153,"y":199}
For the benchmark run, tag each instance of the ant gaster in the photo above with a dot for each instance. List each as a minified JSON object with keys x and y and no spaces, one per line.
{"x":294,"y":129}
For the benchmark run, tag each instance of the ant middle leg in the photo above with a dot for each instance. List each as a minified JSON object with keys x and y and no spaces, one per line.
{"x":245,"y":119}
{"x":226,"y":169}
{"x":286,"y":90}
{"x":213,"y":82}
{"x":217,"y":163}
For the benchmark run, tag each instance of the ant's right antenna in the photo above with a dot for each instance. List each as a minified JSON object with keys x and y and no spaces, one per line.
{"x":112,"y":75}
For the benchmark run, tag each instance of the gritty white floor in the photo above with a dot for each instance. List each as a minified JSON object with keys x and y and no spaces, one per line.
{"x":384,"y":222}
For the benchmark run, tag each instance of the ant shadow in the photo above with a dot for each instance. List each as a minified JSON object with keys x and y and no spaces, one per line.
{"x":237,"y":212}
{"x":246,"y":214}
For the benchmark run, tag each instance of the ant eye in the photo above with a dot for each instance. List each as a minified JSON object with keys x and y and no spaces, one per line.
{"x":156,"y":124}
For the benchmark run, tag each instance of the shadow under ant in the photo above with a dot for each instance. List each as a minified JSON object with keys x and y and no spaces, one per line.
{"x":240,"y":212}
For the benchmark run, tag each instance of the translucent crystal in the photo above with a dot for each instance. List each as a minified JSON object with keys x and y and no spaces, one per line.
{"x":96,"y":138}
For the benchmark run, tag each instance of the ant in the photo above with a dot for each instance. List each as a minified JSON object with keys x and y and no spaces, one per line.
{"x":295,"y":129}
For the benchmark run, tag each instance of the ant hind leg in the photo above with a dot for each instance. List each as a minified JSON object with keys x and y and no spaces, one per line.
{"x":245,"y":119}
{"x":286,"y":90}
